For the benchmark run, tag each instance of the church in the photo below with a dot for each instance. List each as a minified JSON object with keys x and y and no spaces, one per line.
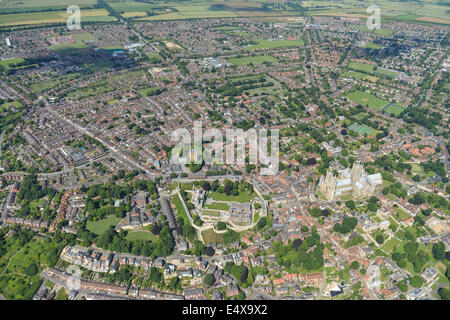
{"x":354,"y":182}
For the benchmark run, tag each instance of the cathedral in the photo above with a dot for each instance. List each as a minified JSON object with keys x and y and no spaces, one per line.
{"x":354,"y":182}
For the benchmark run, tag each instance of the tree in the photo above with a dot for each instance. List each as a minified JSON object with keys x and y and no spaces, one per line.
{"x":261,"y":223}
{"x":444,"y":293}
{"x":354,"y":265}
{"x":209,"y":251}
{"x":379,"y":238}
{"x":438,"y":251}
{"x":350,"y":204}
{"x":209,"y":279}
{"x":221,"y":225}
{"x":416,"y":281}
{"x":403,"y":286}
{"x":206,"y":186}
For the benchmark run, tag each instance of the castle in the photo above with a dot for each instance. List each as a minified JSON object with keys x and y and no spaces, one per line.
{"x":354,"y":182}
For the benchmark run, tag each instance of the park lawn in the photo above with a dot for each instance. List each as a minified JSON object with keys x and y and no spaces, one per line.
{"x":273,"y":44}
{"x":252,"y":60}
{"x":243,"y":196}
{"x":180,"y":209}
{"x":390,"y":244}
{"x":187,"y":186}
{"x":209,"y":236}
{"x":150,"y":91}
{"x":365,"y":98}
{"x":218,"y":206}
{"x":141,"y":235}
{"x":100,"y":226}
{"x":84,"y":36}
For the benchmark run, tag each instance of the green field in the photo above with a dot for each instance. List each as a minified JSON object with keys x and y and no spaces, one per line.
{"x":364,"y":98}
{"x":141,"y":235}
{"x":390,"y":244}
{"x":394,"y":109}
{"x":371,"y":69}
{"x":218,"y":206}
{"x":100,"y":226}
{"x":180,"y":209}
{"x":252,"y":59}
{"x":363,"y":129}
{"x":244,"y":196}
{"x":373,"y":46}
{"x":272,"y":44}
{"x":358,"y":76}
{"x":209,"y":236}
{"x":11,"y":62}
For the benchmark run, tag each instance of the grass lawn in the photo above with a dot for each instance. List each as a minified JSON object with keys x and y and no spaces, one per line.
{"x":272,"y":44}
{"x":100,"y":226}
{"x":13,"y":61}
{"x":141,"y":235}
{"x":361,"y":129}
{"x":358,"y":76}
{"x":209,"y":236}
{"x":218,"y":206}
{"x":243,"y":196}
{"x":390,"y":244}
{"x":365,"y":98}
{"x":180,"y":209}
{"x":252,"y":59}
{"x":394,"y":109}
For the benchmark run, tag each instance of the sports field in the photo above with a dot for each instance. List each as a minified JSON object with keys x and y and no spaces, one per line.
{"x":364,"y":98}
{"x":394,"y":109}
{"x":359,"y":76}
{"x":141,"y":235}
{"x":252,"y":59}
{"x":363,"y":129}
{"x":11,"y":62}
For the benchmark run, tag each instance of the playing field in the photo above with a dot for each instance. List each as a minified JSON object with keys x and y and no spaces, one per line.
{"x":372,"y":69}
{"x":11,"y":62}
{"x":363,"y":129}
{"x":272,"y":44}
{"x":364,"y":98}
{"x":359,"y":76}
{"x":252,"y":59}
{"x":394,"y":109}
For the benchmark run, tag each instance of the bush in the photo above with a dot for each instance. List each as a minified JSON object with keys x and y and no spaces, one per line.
{"x":416,"y":281}
{"x":209,"y":279}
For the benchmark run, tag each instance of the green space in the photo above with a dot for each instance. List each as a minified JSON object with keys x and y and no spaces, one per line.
{"x":390,"y":244}
{"x":180,"y":209}
{"x":11,"y":62}
{"x":366,"y":99}
{"x":358,"y":76}
{"x":209,"y":236}
{"x":218,"y":206}
{"x":272,"y":44}
{"x":141,"y":235}
{"x":362,"y":129}
{"x":394,"y":109}
{"x":100,"y":226}
{"x":243,"y":196}
{"x":252,"y":60}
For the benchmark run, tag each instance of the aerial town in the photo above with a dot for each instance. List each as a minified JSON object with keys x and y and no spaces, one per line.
{"x":94,"y":207}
